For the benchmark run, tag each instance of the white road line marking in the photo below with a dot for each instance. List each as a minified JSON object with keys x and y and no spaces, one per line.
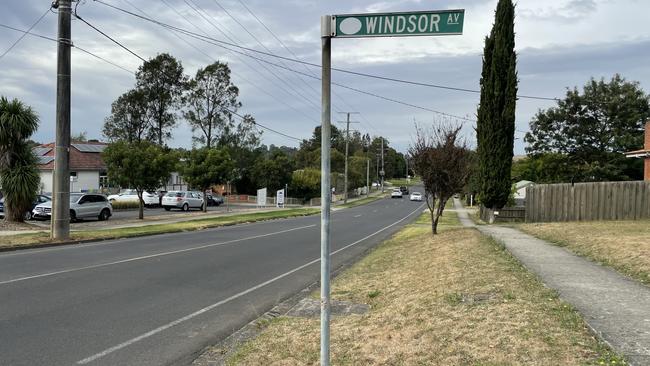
{"x":358,"y":215}
{"x":124,"y":240}
{"x":152,"y":255}
{"x":233,"y":297}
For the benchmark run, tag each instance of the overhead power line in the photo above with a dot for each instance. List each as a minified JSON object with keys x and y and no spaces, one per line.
{"x":107,"y":36}
{"x":219,"y":43}
{"x":24,"y":34}
{"x":131,"y":72}
{"x":264,"y":127}
{"x":307,"y":69}
{"x":438,"y":86}
{"x":73,"y":46}
{"x":290,"y":89}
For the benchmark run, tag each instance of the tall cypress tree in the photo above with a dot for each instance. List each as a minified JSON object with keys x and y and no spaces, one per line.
{"x":496,"y":113}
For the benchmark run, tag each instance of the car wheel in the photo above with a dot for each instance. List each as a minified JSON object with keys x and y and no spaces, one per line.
{"x":27,"y":216}
{"x":104,"y":215}
{"x":167,"y":208}
{"x":186,"y":207}
{"x":73,"y":216}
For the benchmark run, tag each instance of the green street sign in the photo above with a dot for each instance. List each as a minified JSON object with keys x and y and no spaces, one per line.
{"x":423,"y":23}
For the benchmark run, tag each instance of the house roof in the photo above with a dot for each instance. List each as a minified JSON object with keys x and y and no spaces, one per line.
{"x":83,"y":156}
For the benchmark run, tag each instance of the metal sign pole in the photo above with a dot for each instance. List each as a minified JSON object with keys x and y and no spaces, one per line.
{"x":325,"y":190}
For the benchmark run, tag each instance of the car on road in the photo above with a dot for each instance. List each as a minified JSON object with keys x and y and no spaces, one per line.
{"x":396,"y":193}
{"x":131,"y":195}
{"x":82,"y":206}
{"x":404,"y":189}
{"x":28,"y":214}
{"x":214,"y":200}
{"x":416,"y":196}
{"x":184,"y":200}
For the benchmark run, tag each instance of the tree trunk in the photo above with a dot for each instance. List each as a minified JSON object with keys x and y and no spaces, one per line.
{"x":141,"y":205}
{"x":205,"y":200}
{"x":434,"y":222}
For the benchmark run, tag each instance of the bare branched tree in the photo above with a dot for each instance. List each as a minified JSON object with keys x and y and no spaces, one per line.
{"x":442,"y":158}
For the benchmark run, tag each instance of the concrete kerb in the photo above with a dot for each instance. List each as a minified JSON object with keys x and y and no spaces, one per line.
{"x":615,"y":308}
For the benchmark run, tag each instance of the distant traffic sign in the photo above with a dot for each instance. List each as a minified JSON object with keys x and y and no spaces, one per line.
{"x":425,"y":23}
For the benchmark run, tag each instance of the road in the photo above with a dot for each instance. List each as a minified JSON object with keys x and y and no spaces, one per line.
{"x":149,"y":212}
{"x":159,"y":300}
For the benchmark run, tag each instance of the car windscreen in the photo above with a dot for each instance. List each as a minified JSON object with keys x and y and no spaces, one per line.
{"x":75,"y":197}
{"x":174,"y":194}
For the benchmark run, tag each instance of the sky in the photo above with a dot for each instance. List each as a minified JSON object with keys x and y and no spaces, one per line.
{"x":560,"y":44}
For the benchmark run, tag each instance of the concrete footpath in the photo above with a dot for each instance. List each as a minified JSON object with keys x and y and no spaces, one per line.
{"x":615,"y":307}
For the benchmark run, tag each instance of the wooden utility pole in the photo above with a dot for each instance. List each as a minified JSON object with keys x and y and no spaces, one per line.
{"x":61,"y":195}
{"x":347,"y":142}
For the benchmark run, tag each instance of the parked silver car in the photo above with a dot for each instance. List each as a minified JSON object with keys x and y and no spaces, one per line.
{"x":185,"y":200}
{"x":82,"y":206}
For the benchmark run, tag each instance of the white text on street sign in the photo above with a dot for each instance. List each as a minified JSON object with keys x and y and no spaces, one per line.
{"x":426,"y":23}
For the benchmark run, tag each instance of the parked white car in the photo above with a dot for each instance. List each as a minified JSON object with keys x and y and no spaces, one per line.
{"x":397,"y":193}
{"x":416,"y":196}
{"x":131,"y":195}
{"x":185,"y":200}
{"x":82,"y":206}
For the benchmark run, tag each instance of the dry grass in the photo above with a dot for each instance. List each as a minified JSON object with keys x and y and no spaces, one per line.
{"x":623,"y":245}
{"x":456,"y":299}
{"x":27,"y":240}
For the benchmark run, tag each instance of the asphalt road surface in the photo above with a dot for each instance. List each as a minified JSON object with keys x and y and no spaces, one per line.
{"x":153,"y":211}
{"x":160,"y":300}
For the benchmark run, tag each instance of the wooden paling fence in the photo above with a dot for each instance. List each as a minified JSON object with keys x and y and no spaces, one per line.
{"x":588,"y":201}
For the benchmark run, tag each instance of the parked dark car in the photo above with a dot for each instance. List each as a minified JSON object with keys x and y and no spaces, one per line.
{"x":404,"y":189}
{"x":214,"y":200}
{"x":27,"y":215}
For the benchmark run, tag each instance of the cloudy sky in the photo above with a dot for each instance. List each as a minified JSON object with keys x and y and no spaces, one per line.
{"x":560,"y":44}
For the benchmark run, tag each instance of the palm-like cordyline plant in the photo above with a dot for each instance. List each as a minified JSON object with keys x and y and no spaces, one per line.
{"x":19,"y":177}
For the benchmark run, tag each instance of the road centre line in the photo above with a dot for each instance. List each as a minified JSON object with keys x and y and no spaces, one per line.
{"x":135,"y":238}
{"x":231,"y":298}
{"x":152,"y":255}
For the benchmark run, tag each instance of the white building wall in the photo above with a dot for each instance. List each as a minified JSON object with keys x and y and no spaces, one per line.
{"x":86,"y":181}
{"x":46,"y":182}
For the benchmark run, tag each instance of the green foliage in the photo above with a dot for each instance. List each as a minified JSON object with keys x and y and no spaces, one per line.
{"x":360,"y":146}
{"x":19,"y":177}
{"x":206,"y":167}
{"x":496,"y":113}
{"x":586,"y":134}
{"x":211,"y":95}
{"x":544,"y":168}
{"x":80,"y":137}
{"x":129,"y":120}
{"x":143,"y":166}
{"x":306,"y":183}
{"x":162,"y":82}
{"x":273,"y":173}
